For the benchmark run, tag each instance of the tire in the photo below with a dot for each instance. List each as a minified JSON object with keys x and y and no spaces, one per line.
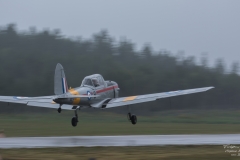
{"x":59,"y":110}
{"x":74,"y":121}
{"x":134,"y":119}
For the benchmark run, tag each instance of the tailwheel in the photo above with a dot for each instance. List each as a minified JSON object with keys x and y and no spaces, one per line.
{"x":74,"y":121}
{"x":134,"y":119}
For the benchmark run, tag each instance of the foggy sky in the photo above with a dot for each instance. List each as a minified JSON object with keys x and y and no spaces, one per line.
{"x":192,"y":26}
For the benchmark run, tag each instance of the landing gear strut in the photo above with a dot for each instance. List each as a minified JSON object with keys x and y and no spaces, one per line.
{"x":75,"y":119}
{"x":132,"y":118}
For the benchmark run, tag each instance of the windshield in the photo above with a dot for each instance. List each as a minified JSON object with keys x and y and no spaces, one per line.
{"x":87,"y":82}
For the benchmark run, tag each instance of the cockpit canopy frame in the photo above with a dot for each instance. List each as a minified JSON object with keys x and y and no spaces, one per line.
{"x":95,"y":80}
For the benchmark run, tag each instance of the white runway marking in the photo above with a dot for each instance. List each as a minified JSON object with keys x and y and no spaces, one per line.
{"x":133,"y":140}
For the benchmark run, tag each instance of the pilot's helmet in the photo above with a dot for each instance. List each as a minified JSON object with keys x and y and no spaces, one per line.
{"x":95,"y":82}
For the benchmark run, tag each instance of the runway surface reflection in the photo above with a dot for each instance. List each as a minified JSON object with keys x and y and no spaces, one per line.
{"x":133,"y":140}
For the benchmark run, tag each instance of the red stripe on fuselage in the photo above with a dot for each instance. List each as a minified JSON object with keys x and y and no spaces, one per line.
{"x":106,"y":89}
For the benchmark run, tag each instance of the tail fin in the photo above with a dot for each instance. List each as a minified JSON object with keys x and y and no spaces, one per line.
{"x":60,"y":82}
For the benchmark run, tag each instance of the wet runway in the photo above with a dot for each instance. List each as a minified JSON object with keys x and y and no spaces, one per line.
{"x":144,"y":140}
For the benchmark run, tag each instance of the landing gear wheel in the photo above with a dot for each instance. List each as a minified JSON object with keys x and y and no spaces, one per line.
{"x":75,"y":118}
{"x":134,"y":119}
{"x":129,"y":115}
{"x":59,"y":110}
{"x":74,"y":121}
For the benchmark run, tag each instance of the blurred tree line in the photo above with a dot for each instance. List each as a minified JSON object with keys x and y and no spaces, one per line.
{"x":28,"y":60}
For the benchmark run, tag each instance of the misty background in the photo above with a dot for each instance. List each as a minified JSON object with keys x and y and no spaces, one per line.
{"x":189,"y":27}
{"x":145,"y":46}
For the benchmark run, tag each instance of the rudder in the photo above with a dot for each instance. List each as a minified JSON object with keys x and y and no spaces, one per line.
{"x":60,"y":82}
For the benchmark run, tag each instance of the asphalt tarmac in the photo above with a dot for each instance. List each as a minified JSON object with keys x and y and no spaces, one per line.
{"x":133,"y":140}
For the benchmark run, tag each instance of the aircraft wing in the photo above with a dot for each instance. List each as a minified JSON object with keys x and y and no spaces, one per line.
{"x":45,"y":101}
{"x":25,"y":100}
{"x":116,"y":102}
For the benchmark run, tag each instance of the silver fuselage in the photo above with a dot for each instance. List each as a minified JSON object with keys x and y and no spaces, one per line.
{"x":108,"y":90}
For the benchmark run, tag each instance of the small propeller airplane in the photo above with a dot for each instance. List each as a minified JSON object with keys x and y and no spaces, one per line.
{"x":94,"y":92}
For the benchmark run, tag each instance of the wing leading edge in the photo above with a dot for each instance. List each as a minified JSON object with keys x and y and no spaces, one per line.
{"x":116,"y":102}
{"x":45,"y":101}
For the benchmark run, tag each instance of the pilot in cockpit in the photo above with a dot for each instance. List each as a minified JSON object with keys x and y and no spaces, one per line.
{"x":95,"y":82}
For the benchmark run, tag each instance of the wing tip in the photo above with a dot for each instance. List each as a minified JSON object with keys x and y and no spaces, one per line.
{"x":208,"y":88}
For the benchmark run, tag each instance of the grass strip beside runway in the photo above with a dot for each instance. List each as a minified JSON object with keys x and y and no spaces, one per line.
{"x":105,"y":123}
{"x":119,"y":153}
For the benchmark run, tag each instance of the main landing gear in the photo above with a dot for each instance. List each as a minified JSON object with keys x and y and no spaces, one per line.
{"x":59,"y":109}
{"x":75,"y":119}
{"x":132,"y":118}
